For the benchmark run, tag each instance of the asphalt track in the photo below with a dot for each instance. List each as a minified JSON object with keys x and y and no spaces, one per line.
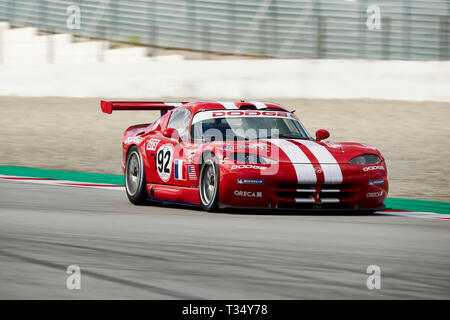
{"x":170,"y":252}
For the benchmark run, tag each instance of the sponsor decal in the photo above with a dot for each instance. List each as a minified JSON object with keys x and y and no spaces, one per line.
{"x":163,"y":161}
{"x":240,"y":113}
{"x":374,"y":194}
{"x":152,"y":144}
{"x":247,"y":166}
{"x":249,"y":194}
{"x":227,"y":148}
{"x":134,"y":140}
{"x":250,"y":181}
{"x":252,"y":113}
{"x":373,"y":168}
{"x":178,"y":169}
{"x":191,"y":173}
{"x":373,"y":182}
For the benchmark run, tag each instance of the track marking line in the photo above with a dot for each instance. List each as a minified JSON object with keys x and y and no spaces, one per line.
{"x":65,"y":183}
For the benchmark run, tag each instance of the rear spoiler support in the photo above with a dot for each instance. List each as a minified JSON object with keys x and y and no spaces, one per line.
{"x":109,"y":106}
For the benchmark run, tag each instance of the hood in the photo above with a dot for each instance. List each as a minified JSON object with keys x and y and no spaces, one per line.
{"x":299,"y":151}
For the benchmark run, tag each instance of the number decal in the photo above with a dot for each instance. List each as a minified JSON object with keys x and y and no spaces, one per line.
{"x":163,"y":161}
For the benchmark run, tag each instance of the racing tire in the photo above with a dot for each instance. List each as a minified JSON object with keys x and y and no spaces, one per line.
{"x":209,"y":184}
{"x":135,"y":183}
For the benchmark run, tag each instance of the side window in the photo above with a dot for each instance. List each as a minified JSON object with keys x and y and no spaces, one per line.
{"x":180,"y":120}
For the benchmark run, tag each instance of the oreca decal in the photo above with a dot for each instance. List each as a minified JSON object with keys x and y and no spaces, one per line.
{"x":374,"y":194}
{"x":163,"y":161}
{"x":249,"y":194}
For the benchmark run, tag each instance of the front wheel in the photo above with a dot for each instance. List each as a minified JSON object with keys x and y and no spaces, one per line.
{"x":209,"y":184}
{"x":135,"y":183}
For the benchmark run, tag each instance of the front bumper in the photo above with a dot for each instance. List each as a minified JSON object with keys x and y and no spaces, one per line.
{"x":250,"y":187}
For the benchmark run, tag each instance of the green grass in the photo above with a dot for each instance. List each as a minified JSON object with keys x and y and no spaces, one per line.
{"x":62,"y":175}
{"x":418,"y":205}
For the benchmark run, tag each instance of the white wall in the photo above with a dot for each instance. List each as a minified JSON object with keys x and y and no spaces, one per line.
{"x":234,"y":79}
{"x":25,"y":47}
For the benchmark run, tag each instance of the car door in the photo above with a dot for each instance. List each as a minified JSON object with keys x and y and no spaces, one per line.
{"x":169,"y":156}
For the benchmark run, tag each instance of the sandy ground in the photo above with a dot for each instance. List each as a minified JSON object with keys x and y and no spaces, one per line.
{"x":73,"y":134}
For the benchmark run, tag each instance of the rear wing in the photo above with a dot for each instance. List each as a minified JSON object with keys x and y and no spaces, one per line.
{"x":109,"y":106}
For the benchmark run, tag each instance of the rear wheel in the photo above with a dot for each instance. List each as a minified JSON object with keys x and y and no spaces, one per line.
{"x":135,"y":183}
{"x":209,"y":183}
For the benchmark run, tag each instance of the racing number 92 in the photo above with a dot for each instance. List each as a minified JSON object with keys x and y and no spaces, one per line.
{"x":163,"y":166}
{"x":164,"y":161}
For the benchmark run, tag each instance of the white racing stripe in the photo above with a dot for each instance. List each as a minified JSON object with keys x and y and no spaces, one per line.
{"x":331,"y":169}
{"x":258,"y":105}
{"x":303,"y":167}
{"x":228,"y":104}
{"x":330,"y":200}
{"x":304,"y":200}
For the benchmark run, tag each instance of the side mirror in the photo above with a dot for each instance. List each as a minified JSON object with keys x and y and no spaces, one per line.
{"x":172,"y":133}
{"x":322,"y":134}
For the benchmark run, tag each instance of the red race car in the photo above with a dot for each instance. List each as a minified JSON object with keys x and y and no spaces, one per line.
{"x":248,"y":154}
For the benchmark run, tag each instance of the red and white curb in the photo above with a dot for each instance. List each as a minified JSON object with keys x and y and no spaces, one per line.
{"x":414,"y":214}
{"x":63,"y":183}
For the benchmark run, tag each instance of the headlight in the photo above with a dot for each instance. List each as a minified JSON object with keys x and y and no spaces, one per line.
{"x":242,"y":157}
{"x":365,"y":159}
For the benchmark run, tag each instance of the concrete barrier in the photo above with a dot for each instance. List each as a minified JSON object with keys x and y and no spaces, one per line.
{"x":234,"y":79}
{"x":25,"y":46}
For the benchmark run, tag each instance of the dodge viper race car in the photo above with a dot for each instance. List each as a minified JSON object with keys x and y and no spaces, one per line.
{"x":251,"y":154}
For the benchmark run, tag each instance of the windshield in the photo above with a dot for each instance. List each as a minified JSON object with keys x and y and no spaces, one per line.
{"x":247,"y":127}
